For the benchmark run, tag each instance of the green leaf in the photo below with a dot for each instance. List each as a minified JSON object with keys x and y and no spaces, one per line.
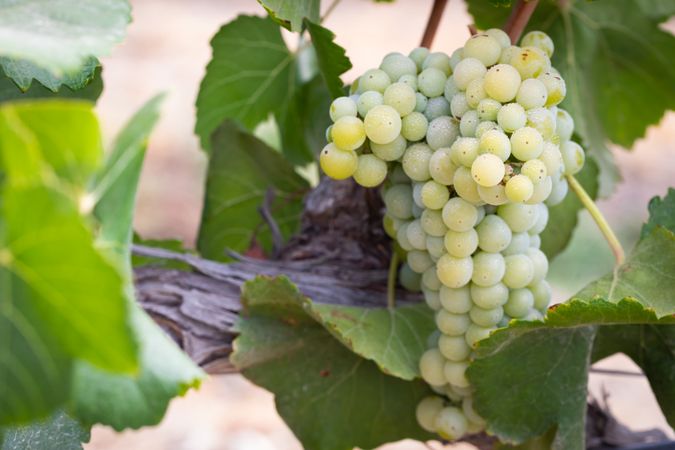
{"x":250,"y":76}
{"x":331,"y":398}
{"x":564,"y":216}
{"x":661,"y":213}
{"x":22,"y":72}
{"x":659,"y":10}
{"x":290,"y":14}
{"x":241,"y":170}
{"x":57,"y":432}
{"x":617,"y":63}
{"x":394,"y":339}
{"x":331,"y":58}
{"x":10,"y":92}
{"x":60,"y":35}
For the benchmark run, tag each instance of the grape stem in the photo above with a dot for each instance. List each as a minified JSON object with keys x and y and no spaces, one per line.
{"x":433,"y":22}
{"x":599,"y":219}
{"x":391,"y":279}
{"x":519,"y":18}
{"x":329,"y":10}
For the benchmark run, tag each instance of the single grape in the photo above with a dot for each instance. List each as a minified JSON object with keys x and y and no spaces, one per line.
{"x":452,"y":324}
{"x":494,"y":235}
{"x":495,"y":142}
{"x":532,"y":94}
{"x":487,"y":170}
{"x":336,"y":163}
{"x":551,"y":158}
{"x":427,"y":411}
{"x":396,"y":65}
{"x":519,"y":271}
{"x":468,"y":124}
{"x":542,"y":295}
{"x":519,"y":244}
{"x":455,"y":58}
{"x":475,"y":93}
{"x":489,"y":297}
{"x":435,"y":244}
{"x":432,"y":223}
{"x":414,"y":126}
{"x":564,"y":125}
{"x":493,"y":195}
{"x":488,"y":109}
{"x":348,"y":133}
{"x":555,"y":87}
{"x":329,"y":131}
{"x":370,"y":171}
{"x":431,"y":82}
{"x":471,"y":415}
{"x":507,"y":54}
{"x":519,"y":216}
{"x":455,"y":301}
{"x":421,"y":102}
{"x":450,"y":423}
{"x":398,"y":200}
{"x":542,"y":220}
{"x":573,"y":157}
{"x":530,"y":62}
{"x":367,"y":101}
{"x":464,"y":151}
{"x":500,"y":36}
{"x":402,"y":237}
{"x":374,"y":80}
{"x":419,"y":260}
{"x":486,"y":317}
{"x":511,"y":117}
{"x":342,"y":107}
{"x":484,"y":127}
{"x":526,"y":143}
{"x":542,"y":120}
{"x":401,"y":97}
{"x":441,"y":167}
{"x":541,"y":191}
{"x":502,"y":83}
{"x":411,"y":82}
{"x":455,"y":373}
{"x":409,"y":279}
{"x":434,"y":195}
{"x":450,"y":89}
{"x":382,"y":124}
{"x":558,"y":192}
{"x":484,"y":48}
{"x":468,"y":70}
{"x":535,"y":170}
{"x":437,"y":107}
{"x":459,"y":215}
{"x":454,"y":348}
{"x":390,"y":225}
{"x":519,"y":304}
{"x":418,"y":55}
{"x":416,"y":235}
{"x":416,"y":161}
{"x":397,"y":175}
{"x":442,"y":132}
{"x":540,"y":40}
{"x":476,"y":333}
{"x":540,"y":263}
{"x":461,"y":244}
{"x":465,"y":186}
{"x":438,"y":60}
{"x":390,"y":151}
{"x":432,"y":364}
{"x":519,"y":188}
{"x":488,"y":268}
{"x":458,"y":105}
{"x":535,"y":241}
{"x":454,"y":272}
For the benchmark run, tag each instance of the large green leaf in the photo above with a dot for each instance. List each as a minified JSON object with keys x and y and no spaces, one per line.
{"x":241,"y":171}
{"x":661,"y":213}
{"x":10,"y":92}
{"x":250,"y":75}
{"x":290,"y":14}
{"x":23,"y":72}
{"x":617,"y":63}
{"x":61,"y":35}
{"x":330,"y":397}
{"x":58,"y":432}
{"x":331,"y":58}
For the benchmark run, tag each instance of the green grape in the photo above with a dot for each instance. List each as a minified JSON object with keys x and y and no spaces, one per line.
{"x":437,"y":60}
{"x":468,"y":124}
{"x":459,"y":215}
{"x":476,"y":333}
{"x":367,"y":101}
{"x":471,"y":414}
{"x":336,"y":163}
{"x":573,"y":157}
{"x":409,"y":279}
{"x":342,"y":107}
{"x":541,"y":120}
{"x":435,"y":244}
{"x":465,"y":186}
{"x":455,"y":58}
{"x":450,"y":89}
{"x":489,"y":297}
{"x":542,"y":220}
{"x":390,"y":151}
{"x":427,"y":411}
{"x":417,"y":194}
{"x":484,"y":48}
{"x":390,"y":225}
{"x":481,"y":213}
{"x":432,"y":223}
{"x":486,"y":317}
{"x":416,"y":235}
{"x":493,"y":195}
{"x":488,"y":268}
{"x":452,"y":324}
{"x":402,"y":237}
{"x":421,"y":102}
{"x":484,"y":127}
{"x":468,"y":70}
{"x":526,"y":143}
{"x":540,"y":40}
{"x":542,"y":295}
{"x":414,"y":126}
{"x":418,"y":55}
{"x":454,"y":272}
{"x":434,"y":195}
{"x":455,"y":301}
{"x":519,"y":304}
{"x":555,"y":87}
{"x":500,"y":36}
{"x":454,"y":348}
{"x":551,"y":158}
{"x":410,"y":81}
{"x":374,"y":80}
{"x":519,"y":271}
{"x":441,"y":167}
{"x":458,"y":105}
{"x":432,"y":364}
{"x":401,"y":97}
{"x":535,"y":241}
{"x":533,"y":315}
{"x":437,"y":107}
{"x":450,"y":423}
{"x":396,"y":65}
{"x":558,"y":192}
{"x":519,"y":188}
{"x":398,"y":201}
{"x":564,"y":125}
{"x":442,"y":132}
{"x":519,"y":216}
{"x":416,"y":162}
{"x":495,"y":142}
{"x":464,"y":151}
{"x":455,"y":374}
{"x":519,"y":244}
{"x":419,"y":261}
{"x":348,"y":133}
{"x":431,"y":82}
{"x":382,"y":124}
{"x":488,"y":109}
{"x":397,"y":175}
{"x":541,"y":191}
{"x":540,"y":263}
{"x":487,"y":169}
{"x":494,"y":235}
{"x":430,"y":280}
{"x":329,"y":130}
{"x":460,"y":244}
{"x":530,"y":62}
{"x":475,"y":93}
{"x":502,"y":83}
{"x":532,"y":94}
{"x":370,"y":171}
{"x":507,"y":54}
{"x":511,"y":117}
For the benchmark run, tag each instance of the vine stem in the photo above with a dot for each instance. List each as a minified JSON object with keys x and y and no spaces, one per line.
{"x":599,"y":219}
{"x":391,"y":279}
{"x":519,"y":18}
{"x":329,"y":10}
{"x":433,"y":22}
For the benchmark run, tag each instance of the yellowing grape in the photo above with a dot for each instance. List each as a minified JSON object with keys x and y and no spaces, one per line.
{"x":484,"y":48}
{"x":519,"y":188}
{"x":348,"y":133}
{"x":530,"y":62}
{"x":487,"y":170}
{"x":540,"y":40}
{"x":336,"y":163}
{"x":382,"y":124}
{"x":502,"y":82}
{"x":370,"y":171}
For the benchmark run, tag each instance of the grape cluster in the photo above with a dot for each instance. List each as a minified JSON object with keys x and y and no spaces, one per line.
{"x":470,"y":149}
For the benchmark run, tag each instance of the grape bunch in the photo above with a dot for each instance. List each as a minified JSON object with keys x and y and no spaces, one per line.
{"x":470,"y":150}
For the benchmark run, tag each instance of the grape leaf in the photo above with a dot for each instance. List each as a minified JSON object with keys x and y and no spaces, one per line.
{"x":57,"y":432}
{"x":331,"y":57}
{"x":661,"y":213}
{"x":22,"y":72}
{"x":60,"y":35}
{"x":91,"y":92}
{"x":331,"y":398}
{"x":290,"y":14}
{"x":241,"y":171}
{"x":250,"y":75}
{"x":563,"y":217}
{"x":659,"y":10}
{"x":617,"y":63}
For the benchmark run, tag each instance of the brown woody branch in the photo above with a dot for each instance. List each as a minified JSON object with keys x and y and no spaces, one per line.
{"x":519,"y":18}
{"x":432,"y":24}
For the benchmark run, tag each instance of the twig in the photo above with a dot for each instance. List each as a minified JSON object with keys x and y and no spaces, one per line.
{"x":472,"y":29}
{"x":599,"y":219}
{"x":433,"y":22}
{"x":616,"y":372}
{"x":329,"y":10}
{"x":391,"y":279}
{"x":519,"y":18}
{"x":265,"y":211}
